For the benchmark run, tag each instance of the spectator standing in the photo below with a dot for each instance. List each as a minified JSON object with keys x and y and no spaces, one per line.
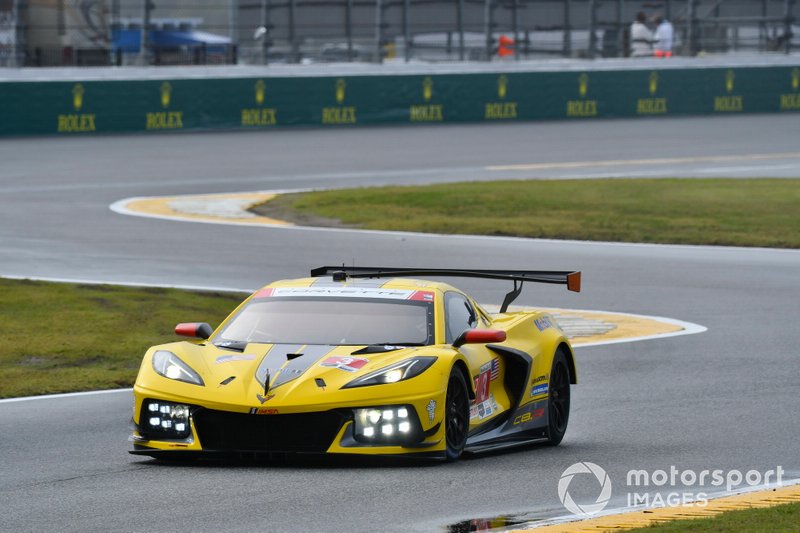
{"x":663,"y":36}
{"x":641,"y":37}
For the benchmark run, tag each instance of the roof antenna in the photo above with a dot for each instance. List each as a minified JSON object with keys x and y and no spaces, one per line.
{"x":511,"y":296}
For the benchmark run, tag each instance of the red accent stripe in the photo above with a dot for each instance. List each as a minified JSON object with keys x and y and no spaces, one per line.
{"x":263,"y":293}
{"x":422,"y":296}
{"x":481,"y":336}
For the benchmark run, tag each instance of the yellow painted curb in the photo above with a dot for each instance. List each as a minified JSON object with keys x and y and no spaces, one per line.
{"x":223,"y":208}
{"x":625,"y":326}
{"x":601,"y":327}
{"x":649,"y":517}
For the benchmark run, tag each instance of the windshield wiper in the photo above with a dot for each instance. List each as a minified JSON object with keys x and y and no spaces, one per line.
{"x":237,"y":346}
{"x":382,"y":347}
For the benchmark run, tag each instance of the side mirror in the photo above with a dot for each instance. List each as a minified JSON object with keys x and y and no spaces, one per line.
{"x":480,"y":336}
{"x":198,"y":330}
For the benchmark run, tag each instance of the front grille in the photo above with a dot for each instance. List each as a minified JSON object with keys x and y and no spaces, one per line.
{"x":305,"y":432}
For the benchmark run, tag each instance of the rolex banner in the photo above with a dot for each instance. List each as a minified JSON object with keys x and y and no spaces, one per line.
{"x":68,"y":108}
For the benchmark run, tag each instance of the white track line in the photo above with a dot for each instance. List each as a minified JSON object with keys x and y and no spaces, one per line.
{"x":127,"y":284}
{"x":63,"y":395}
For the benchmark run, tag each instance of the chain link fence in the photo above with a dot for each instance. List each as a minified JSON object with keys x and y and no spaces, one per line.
{"x":294,"y":31}
{"x":97,"y":32}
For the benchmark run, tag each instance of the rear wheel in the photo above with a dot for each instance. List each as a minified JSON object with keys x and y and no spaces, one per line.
{"x":456,"y":415}
{"x":558,"y":402}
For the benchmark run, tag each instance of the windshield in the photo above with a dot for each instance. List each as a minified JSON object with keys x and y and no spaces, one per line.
{"x":352,"y":321}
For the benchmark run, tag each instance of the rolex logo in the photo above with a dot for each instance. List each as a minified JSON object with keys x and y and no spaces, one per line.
{"x":261,"y":89}
{"x":427,"y":88}
{"x":796,"y":79}
{"x":583,"y":84}
{"x":77,"y":96}
{"x":341,"y":86}
{"x":729,"y":79}
{"x":653,"y":82}
{"x":502,"y":86}
{"x":166,"y":94}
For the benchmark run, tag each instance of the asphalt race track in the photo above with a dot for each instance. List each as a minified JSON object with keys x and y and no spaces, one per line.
{"x":724,"y":399}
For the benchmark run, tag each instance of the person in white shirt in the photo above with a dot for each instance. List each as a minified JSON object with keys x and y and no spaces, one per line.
{"x":663,"y":36}
{"x":641,"y":37}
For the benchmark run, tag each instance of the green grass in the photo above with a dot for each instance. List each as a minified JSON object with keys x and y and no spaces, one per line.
{"x":65,"y":337}
{"x":778,"y":519}
{"x":737,"y":212}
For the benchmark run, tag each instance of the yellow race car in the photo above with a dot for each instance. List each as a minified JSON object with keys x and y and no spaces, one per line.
{"x":357,"y":360}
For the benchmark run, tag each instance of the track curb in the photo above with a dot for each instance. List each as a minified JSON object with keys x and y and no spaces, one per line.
{"x":653,"y":516}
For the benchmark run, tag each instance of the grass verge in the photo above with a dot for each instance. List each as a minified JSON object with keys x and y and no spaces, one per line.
{"x":778,"y":519}
{"x":735,"y":212}
{"x":66,"y":337}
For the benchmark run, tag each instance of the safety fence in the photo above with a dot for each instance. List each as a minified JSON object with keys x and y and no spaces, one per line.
{"x":74,"y":107}
{"x":105,"y":32}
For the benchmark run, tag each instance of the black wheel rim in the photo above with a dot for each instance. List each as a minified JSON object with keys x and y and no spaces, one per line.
{"x":559,"y":398}
{"x":457,"y":420}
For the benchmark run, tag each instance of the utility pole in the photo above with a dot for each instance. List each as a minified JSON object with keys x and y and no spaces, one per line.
{"x":460,"y":24}
{"x":620,"y":30}
{"x":144,"y":42}
{"x":295,"y":54}
{"x":567,"y":29}
{"x":787,"y":31}
{"x":488,"y":29}
{"x":692,"y":19}
{"x":592,"y":28}
{"x":379,"y":27}
{"x":233,"y":19}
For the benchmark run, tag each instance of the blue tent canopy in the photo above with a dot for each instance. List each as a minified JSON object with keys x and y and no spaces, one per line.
{"x":129,"y":40}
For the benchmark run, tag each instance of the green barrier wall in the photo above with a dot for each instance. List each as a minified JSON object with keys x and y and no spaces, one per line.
{"x":68,"y":108}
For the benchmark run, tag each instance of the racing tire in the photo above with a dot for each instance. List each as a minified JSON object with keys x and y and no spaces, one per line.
{"x":456,"y":415}
{"x":558,"y":399}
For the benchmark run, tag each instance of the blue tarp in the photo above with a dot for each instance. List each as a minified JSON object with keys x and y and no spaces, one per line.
{"x":129,"y":40}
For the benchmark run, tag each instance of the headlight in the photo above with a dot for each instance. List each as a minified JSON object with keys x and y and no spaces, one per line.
{"x":170,"y":366}
{"x":388,"y":425}
{"x":392,"y":374}
{"x":164,"y":420}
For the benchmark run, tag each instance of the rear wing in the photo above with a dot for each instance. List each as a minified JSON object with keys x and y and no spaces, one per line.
{"x":572,"y":279}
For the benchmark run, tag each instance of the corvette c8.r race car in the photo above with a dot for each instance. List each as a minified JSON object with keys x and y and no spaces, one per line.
{"x":357,"y":360}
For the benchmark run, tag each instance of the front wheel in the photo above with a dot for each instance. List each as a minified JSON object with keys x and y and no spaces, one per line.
{"x":558,"y":401}
{"x":456,"y":415}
